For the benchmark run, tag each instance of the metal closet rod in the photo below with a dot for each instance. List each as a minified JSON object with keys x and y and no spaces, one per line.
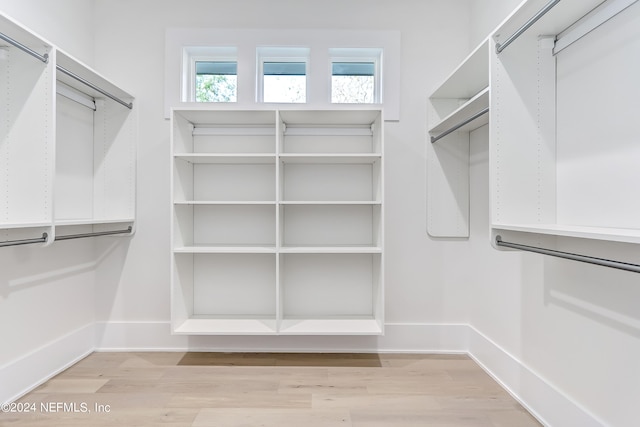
{"x":129,"y":105}
{"x":25,"y":241}
{"x":571,"y":256}
{"x":44,"y":58}
{"x":459,"y":125}
{"x":97,"y":233}
{"x":67,"y":237}
{"x":525,"y":27}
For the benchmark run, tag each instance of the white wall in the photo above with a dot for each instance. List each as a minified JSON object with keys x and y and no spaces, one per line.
{"x":573,"y":325}
{"x":47,"y":294}
{"x":420,"y":288}
{"x":66,"y":23}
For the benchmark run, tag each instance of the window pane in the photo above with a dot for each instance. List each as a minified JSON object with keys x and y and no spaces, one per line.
{"x":284,"y":82}
{"x":353,"y":82}
{"x":216,"y":81}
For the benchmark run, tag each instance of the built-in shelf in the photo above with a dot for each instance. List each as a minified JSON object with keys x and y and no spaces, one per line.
{"x":470,"y":108}
{"x":67,"y":140}
{"x":456,"y":107}
{"x":556,"y":173}
{"x":277,"y":215}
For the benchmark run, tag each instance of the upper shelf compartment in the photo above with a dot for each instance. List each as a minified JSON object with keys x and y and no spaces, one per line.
{"x":457,"y":106}
{"x":563,"y":147}
{"x":460,"y":103}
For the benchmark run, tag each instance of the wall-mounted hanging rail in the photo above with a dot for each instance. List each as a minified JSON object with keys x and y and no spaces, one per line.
{"x":525,"y":27}
{"x":129,"y":105}
{"x":44,"y":58}
{"x":95,"y":234}
{"x":571,"y":256}
{"x":459,"y":125}
{"x":25,"y":241}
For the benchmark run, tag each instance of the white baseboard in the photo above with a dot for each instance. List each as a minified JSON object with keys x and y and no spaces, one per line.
{"x":398,"y":338}
{"x":545,"y":402}
{"x":23,"y":375}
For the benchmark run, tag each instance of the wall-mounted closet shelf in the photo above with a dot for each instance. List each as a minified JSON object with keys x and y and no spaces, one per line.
{"x":42,"y":57}
{"x":280,"y":231}
{"x":551,"y":176}
{"x":456,"y":107}
{"x":470,"y":116}
{"x":531,"y":21}
{"x":64,"y":165}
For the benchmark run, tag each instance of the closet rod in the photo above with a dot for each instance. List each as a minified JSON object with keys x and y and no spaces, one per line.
{"x":25,"y":241}
{"x":571,"y":256}
{"x":92,"y":86}
{"x":44,"y":58}
{"x":459,"y":125}
{"x":97,"y":233}
{"x":525,"y":27}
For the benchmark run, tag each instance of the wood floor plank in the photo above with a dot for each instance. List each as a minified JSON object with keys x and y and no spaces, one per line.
{"x":271,"y":389}
{"x":273,"y":418}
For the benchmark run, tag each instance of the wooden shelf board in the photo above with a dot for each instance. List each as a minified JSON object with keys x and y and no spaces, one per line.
{"x":333,"y":158}
{"x":225,"y":249}
{"x":469,"y":78}
{"x":330,"y":202}
{"x":330,"y":326}
{"x":330,"y":249}
{"x":204,"y":325}
{"x":479,"y":102}
{"x":224,"y":158}
{"x":224,"y":202}
{"x":624,"y":235}
{"x":67,"y":222}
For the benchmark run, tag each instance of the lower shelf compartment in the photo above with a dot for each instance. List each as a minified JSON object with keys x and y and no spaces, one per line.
{"x":331,"y":326}
{"x":203,"y":325}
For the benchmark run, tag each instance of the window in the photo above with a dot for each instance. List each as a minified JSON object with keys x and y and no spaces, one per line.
{"x":216,"y":81}
{"x":355,"y":75}
{"x":210,"y":74}
{"x":303,"y":67}
{"x":353,"y":82}
{"x":283,"y":75}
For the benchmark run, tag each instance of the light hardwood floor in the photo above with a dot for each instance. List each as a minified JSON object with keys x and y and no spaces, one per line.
{"x":251,"y":390}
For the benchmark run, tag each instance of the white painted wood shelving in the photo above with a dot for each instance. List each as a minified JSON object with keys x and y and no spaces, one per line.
{"x":67,"y":148}
{"x":277,"y":221}
{"x":564,"y":149}
{"x":457,"y":106}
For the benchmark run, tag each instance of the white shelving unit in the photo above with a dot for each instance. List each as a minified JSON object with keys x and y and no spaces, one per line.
{"x":456,"y":107}
{"x":67,"y":148}
{"x":26,"y":136}
{"x":95,"y":176}
{"x":277,"y":222}
{"x":563,"y":150}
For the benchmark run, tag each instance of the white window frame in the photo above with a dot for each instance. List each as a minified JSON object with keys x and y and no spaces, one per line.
{"x":179,"y":41}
